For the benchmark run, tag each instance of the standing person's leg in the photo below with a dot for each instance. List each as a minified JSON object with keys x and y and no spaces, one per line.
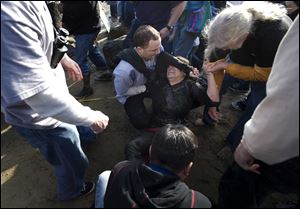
{"x":128,"y":42}
{"x":96,"y":57}
{"x":83,"y":44}
{"x":61,"y":148}
{"x":184,"y":43}
{"x":101,"y":185}
{"x":99,"y":61}
{"x":237,"y":188}
{"x":128,"y":14}
{"x":234,"y":137}
{"x":113,"y":9}
{"x":86,"y":135}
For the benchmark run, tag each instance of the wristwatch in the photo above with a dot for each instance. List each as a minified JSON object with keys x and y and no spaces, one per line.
{"x":170,"y":27}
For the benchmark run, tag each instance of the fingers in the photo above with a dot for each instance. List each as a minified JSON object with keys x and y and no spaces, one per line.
{"x":101,"y":123}
{"x":254,"y":168}
{"x":214,"y":114}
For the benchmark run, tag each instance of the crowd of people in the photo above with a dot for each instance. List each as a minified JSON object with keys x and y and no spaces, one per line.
{"x":255,"y":42}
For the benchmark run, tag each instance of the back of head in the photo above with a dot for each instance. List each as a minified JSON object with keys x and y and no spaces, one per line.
{"x":143,"y":35}
{"x":174,"y":146}
{"x":233,"y":22}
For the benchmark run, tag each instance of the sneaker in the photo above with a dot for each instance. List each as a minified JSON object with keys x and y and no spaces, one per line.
{"x":240,"y":104}
{"x":85,"y":92}
{"x":107,"y":76}
{"x":87,"y":188}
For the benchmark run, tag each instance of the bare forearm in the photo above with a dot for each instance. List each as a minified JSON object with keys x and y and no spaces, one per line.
{"x":212,"y":90}
{"x":176,"y":13}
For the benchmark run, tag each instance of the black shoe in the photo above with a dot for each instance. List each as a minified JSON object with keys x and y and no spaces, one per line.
{"x":87,"y":188}
{"x":107,"y":76}
{"x":85,"y":92}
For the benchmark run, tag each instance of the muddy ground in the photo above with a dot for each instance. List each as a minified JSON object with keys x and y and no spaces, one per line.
{"x":27,"y":179}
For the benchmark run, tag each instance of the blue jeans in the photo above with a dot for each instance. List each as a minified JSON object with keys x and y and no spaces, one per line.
{"x":85,"y":48}
{"x":101,"y":185}
{"x":61,"y":148}
{"x":126,"y":12}
{"x":183,"y":42}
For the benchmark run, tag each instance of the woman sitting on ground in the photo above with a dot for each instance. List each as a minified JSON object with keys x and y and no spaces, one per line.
{"x":173,"y":96}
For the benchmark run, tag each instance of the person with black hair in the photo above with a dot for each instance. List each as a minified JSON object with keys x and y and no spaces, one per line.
{"x":160,"y":183}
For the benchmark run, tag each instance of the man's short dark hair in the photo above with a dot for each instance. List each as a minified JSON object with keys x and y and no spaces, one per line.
{"x":174,"y":146}
{"x":144,"y":34}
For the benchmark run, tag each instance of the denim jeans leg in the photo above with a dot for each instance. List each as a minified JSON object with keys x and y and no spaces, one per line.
{"x":86,"y":135}
{"x":96,"y":57}
{"x":101,"y":185}
{"x":234,"y":137}
{"x":227,"y":82}
{"x":70,"y":174}
{"x":128,"y":42}
{"x":61,"y":148}
{"x":128,"y":13}
{"x":184,"y":43}
{"x":83,"y":44}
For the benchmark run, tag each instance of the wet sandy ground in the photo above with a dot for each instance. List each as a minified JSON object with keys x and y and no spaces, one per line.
{"x":27,"y":179}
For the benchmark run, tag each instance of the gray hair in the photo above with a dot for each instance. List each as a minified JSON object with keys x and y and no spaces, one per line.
{"x":234,"y":22}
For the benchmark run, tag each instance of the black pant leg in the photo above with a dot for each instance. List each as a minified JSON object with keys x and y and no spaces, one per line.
{"x":137,"y":112}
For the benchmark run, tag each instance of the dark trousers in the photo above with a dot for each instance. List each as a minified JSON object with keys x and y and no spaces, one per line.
{"x":239,"y":188}
{"x":137,"y":112}
{"x":254,"y":98}
{"x":234,"y":137}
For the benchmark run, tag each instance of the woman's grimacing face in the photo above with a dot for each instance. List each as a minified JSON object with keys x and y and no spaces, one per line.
{"x":174,"y":73}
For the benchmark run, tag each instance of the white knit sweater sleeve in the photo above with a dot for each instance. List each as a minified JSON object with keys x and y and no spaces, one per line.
{"x":272,"y":134}
{"x":62,"y":106}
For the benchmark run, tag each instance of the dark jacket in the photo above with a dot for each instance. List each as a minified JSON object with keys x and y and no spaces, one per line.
{"x":258,"y":51}
{"x":81,"y":17}
{"x":171,"y":104}
{"x":132,"y":184}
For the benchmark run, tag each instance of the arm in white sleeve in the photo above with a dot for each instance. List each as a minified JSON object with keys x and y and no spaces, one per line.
{"x":63,"y":107}
{"x":134,"y":90}
{"x":272,"y":134}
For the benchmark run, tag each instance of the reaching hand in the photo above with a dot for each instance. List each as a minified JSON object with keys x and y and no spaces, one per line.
{"x":218,"y":65}
{"x":72,"y":68}
{"x":245,"y":160}
{"x":195,"y":73}
{"x":214,"y":113}
{"x":100,"y":123}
